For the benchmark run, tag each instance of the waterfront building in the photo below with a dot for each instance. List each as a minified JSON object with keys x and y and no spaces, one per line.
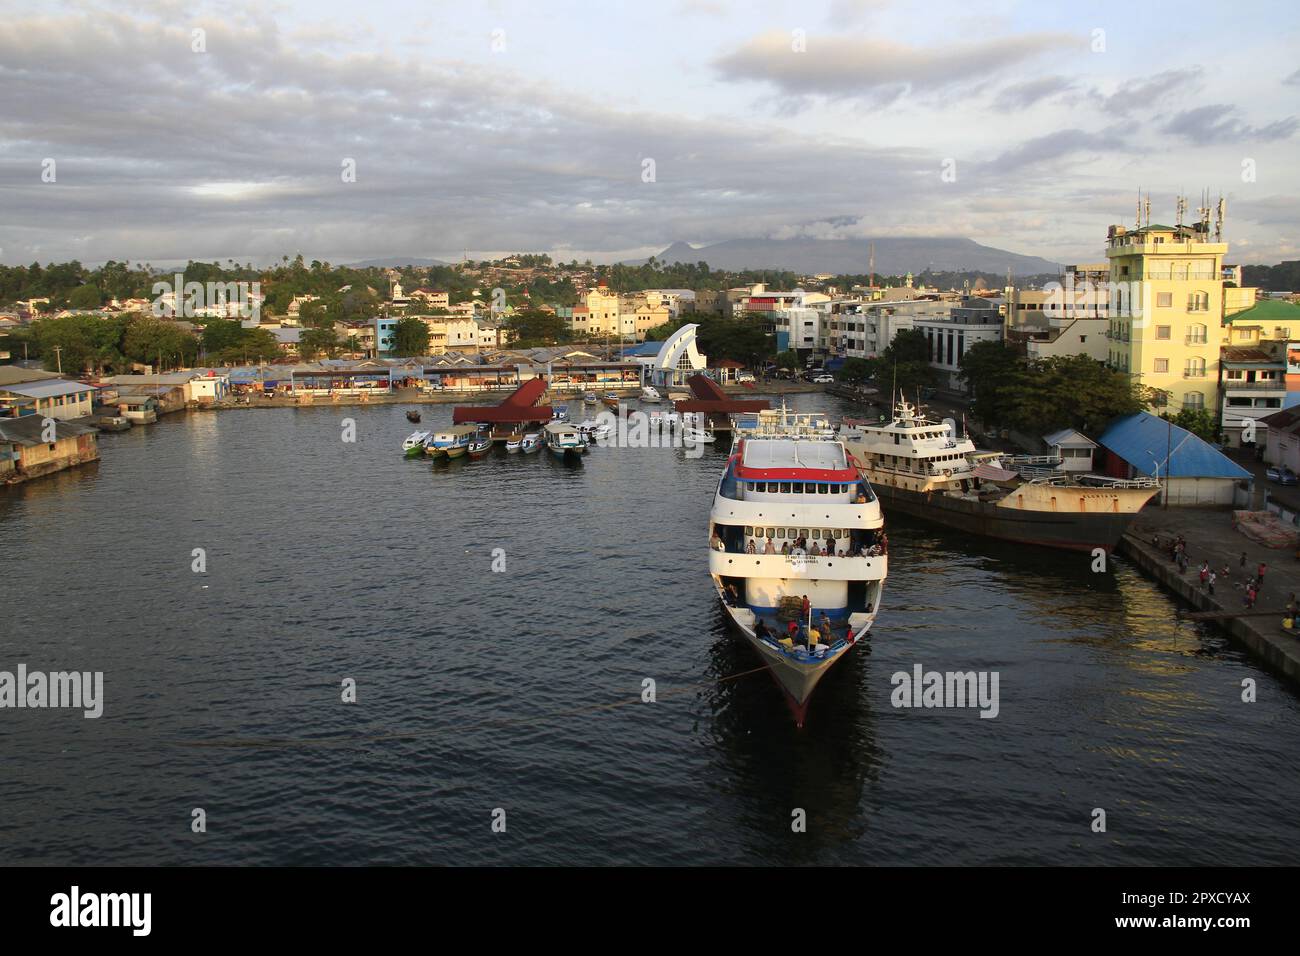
{"x":1253,"y":383}
{"x":949,"y":337}
{"x":1167,"y":310}
{"x":26,"y":453}
{"x":1191,"y":472}
{"x":43,"y":394}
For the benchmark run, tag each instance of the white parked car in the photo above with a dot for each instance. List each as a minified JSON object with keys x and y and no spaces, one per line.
{"x":744,"y":376}
{"x":824,"y":379}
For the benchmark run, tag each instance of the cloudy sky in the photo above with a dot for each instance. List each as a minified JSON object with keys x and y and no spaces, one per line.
{"x":507,"y":126}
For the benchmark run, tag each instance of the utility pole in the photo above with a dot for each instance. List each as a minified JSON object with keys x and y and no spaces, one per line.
{"x":58,"y":357}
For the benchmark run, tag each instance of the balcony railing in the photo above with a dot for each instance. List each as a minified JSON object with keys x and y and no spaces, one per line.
{"x":1195,"y":339}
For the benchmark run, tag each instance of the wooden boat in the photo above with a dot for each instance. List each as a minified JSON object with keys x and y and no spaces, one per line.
{"x":113,"y":423}
{"x":565,"y":441}
{"x":513,"y":443}
{"x":413,"y":446}
{"x":531,"y":442}
{"x":413,"y":416}
{"x":480,"y":447}
{"x":610,"y":400}
{"x":450,"y":442}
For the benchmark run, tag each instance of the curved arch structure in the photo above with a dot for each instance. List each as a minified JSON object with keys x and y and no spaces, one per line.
{"x":678,"y":358}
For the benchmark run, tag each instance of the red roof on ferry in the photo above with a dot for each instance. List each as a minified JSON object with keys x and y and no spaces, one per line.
{"x":796,"y":474}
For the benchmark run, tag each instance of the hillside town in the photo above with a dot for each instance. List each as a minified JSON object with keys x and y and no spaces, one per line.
{"x":1163,"y":308}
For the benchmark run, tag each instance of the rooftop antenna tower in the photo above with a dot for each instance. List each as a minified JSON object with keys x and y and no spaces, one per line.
{"x":1147,"y":207}
{"x":1181,"y":206}
{"x":871,"y":258}
{"x":1218,"y":219}
{"x":1138,"y":222}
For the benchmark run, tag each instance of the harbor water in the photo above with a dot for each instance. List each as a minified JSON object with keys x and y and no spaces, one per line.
{"x":500,"y":619}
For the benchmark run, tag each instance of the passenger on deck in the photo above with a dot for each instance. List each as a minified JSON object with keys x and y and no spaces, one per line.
{"x":824,"y":624}
{"x":733,"y":596}
{"x":761,"y":629}
{"x":716,"y":543}
{"x":806,"y":608}
{"x":751,"y":548}
{"x":769,"y":548}
{"x":785,"y":547}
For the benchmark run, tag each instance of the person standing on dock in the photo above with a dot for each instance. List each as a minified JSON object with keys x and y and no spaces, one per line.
{"x":1210,"y":582}
{"x":1205,"y":572}
{"x":1259,"y":573}
{"x":1243,"y":559}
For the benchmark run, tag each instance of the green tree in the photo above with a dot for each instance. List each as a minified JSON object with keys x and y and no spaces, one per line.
{"x":410,"y":337}
{"x":315,"y":341}
{"x":788,"y":359}
{"x":85,"y":297}
{"x":993,"y":373}
{"x":535,"y":327}
{"x":1199,"y":421}
{"x":855,"y":371}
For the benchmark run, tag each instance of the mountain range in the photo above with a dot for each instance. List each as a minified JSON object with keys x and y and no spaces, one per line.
{"x":895,"y":255}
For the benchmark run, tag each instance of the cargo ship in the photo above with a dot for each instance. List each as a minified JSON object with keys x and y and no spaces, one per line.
{"x":919,"y":467}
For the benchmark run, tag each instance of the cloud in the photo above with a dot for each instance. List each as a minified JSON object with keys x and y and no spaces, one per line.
{"x":851,"y":66}
{"x":1058,"y":145}
{"x":1021,"y":96}
{"x":1293,"y":79}
{"x":1142,"y":92}
{"x":1218,"y":123}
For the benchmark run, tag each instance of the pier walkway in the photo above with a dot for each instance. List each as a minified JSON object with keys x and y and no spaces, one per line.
{"x":1210,"y":536}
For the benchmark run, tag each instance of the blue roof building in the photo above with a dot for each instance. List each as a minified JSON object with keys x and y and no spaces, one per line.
{"x":1192,"y":470}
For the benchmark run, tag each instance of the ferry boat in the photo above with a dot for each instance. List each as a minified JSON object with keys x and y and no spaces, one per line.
{"x":531,"y":442}
{"x":451,"y":442}
{"x":565,"y":441}
{"x":920,"y":467}
{"x":650,"y":394}
{"x":792,"y":518}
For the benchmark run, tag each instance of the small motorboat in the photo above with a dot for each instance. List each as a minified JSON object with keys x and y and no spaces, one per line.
{"x":479,"y":447}
{"x":565,"y":441}
{"x":531,"y":442}
{"x":413,"y":447}
{"x":594,"y":429}
{"x":650,"y":394}
{"x":693,"y":435}
{"x":590,"y":399}
{"x":513,"y":443}
{"x":559,"y":413}
{"x":113,"y":423}
{"x":610,"y":400}
{"x":413,"y":416}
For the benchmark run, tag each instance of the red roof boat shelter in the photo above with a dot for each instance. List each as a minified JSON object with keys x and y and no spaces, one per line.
{"x":518,"y":408}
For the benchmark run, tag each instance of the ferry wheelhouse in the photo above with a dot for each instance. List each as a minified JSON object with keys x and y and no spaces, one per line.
{"x":798,"y":552}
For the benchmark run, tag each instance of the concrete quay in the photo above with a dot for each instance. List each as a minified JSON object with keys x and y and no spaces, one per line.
{"x":1210,"y":536}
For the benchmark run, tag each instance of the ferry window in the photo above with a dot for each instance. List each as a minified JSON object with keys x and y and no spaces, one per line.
{"x":796,"y":488}
{"x":771,"y":532}
{"x":803,"y":532}
{"x":896,"y":441}
{"x":785,"y":487}
{"x":780,"y":532}
{"x":749,"y":531}
{"x":824,"y":488}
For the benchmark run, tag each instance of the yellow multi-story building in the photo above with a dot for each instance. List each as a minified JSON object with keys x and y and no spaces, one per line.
{"x":1167,"y":311}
